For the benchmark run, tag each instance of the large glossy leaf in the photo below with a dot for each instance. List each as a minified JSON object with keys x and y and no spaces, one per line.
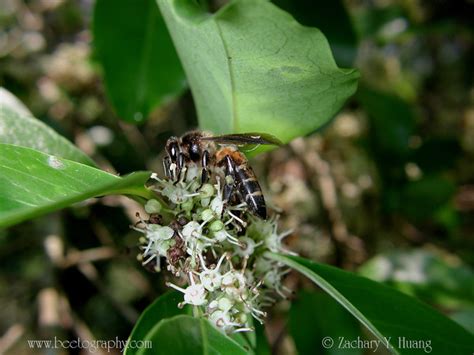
{"x":19,"y":127}
{"x":465,"y":318}
{"x":386,"y":312}
{"x":166,"y":306}
{"x":332,"y":19}
{"x":34,"y":183}
{"x":261,"y":347}
{"x":327,"y":318}
{"x":252,"y":67}
{"x":140,"y":64}
{"x":187,"y":335}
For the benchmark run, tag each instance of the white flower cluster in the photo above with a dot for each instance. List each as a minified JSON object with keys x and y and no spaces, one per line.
{"x":216,"y":248}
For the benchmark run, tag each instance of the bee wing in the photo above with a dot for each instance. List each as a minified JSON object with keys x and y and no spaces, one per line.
{"x":245,"y":139}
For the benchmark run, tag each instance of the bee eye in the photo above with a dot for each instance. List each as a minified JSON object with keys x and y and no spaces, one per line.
{"x":173,"y":151}
{"x":195,"y":152}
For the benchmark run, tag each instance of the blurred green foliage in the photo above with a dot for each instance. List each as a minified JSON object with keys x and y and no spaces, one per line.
{"x":140,"y":65}
{"x":425,"y":275}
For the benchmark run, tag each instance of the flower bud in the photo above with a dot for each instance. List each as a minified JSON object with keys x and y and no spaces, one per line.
{"x":241,"y":318}
{"x":153,"y":206}
{"x":188,"y":204}
{"x":207,"y":215}
{"x":206,"y":191}
{"x":225,"y":304}
{"x":216,"y":226}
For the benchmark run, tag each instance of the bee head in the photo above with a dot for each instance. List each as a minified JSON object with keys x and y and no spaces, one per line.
{"x":193,"y":145}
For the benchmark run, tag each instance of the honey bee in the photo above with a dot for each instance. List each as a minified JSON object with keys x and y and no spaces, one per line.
{"x":221,"y":151}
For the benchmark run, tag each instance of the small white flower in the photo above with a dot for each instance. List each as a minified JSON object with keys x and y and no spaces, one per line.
{"x":272,"y":279}
{"x":217,"y":205}
{"x":262,"y":265}
{"x":225,"y":304}
{"x":212,"y":306}
{"x":195,"y":294}
{"x":162,"y":246}
{"x":224,"y":321}
{"x":211,"y":278}
{"x":220,"y":319}
{"x":273,"y":242}
{"x":223,"y":235}
{"x":262,"y":228}
{"x":177,"y":193}
{"x":195,"y":247}
{"x":192,"y":230}
{"x":247,"y":246}
{"x":249,"y":276}
{"x":235,"y":285}
{"x":156,"y":232}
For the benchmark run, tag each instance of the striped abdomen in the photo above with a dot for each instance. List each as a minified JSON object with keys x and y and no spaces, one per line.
{"x":250,"y":190}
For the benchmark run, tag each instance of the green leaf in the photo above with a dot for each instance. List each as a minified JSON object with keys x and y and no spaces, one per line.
{"x":247,"y":340}
{"x":465,"y":318}
{"x":392,"y":122}
{"x":445,"y":149}
{"x":262,"y":346}
{"x":187,"y":335}
{"x":33,"y":183}
{"x":141,"y":67}
{"x":165,"y":306}
{"x":19,"y":127}
{"x":422,"y":198}
{"x":332,"y":19}
{"x":253,"y":68}
{"x":327,"y":318}
{"x":386,"y":312}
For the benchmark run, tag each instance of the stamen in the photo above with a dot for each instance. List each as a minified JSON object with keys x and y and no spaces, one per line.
{"x":237,"y":218}
{"x":148,"y":260}
{"x":177,"y":288}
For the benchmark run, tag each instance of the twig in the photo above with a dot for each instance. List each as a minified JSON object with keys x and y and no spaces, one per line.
{"x":11,"y":336}
{"x":327,"y":187}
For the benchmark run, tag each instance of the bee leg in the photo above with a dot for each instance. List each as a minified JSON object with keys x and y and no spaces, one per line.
{"x":227,"y":192}
{"x":179,"y":167}
{"x":185,"y":173}
{"x":229,"y":185}
{"x":167,"y":167}
{"x":205,"y":171}
{"x":172,"y":148}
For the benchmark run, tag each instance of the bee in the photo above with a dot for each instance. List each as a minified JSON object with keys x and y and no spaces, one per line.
{"x":222,"y":151}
